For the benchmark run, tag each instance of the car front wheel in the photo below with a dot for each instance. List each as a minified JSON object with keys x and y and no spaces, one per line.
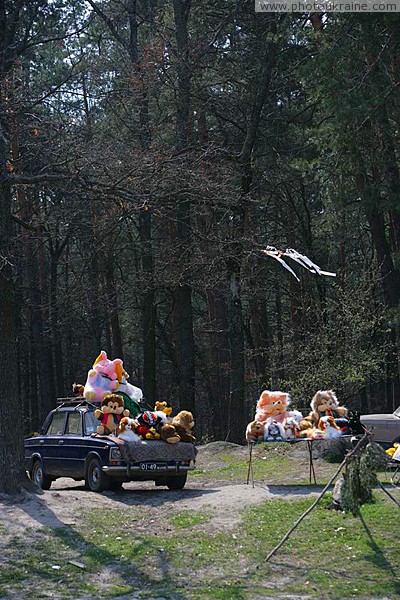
{"x":38,"y":476}
{"x":177,"y":482}
{"x":95,"y":479}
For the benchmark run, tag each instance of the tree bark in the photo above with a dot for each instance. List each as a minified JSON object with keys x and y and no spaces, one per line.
{"x":182,"y":307}
{"x":148,"y":307}
{"x":13,"y":476}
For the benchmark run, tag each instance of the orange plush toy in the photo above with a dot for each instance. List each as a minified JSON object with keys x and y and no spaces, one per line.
{"x":275,"y":405}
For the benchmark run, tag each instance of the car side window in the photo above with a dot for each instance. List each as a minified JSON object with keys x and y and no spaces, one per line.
{"x":74,"y":425}
{"x":91,"y":423}
{"x":57,"y":424}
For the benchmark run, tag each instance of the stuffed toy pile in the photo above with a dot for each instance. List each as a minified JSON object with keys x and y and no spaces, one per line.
{"x":119,"y":409}
{"x":274,"y":421}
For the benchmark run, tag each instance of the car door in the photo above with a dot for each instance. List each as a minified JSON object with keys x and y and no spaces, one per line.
{"x":73,"y":455}
{"x":51,"y":444}
{"x":393,"y":426}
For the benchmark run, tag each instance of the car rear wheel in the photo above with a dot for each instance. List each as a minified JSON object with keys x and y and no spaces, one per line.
{"x":95,"y":479}
{"x":38,"y":476}
{"x":177,"y":482}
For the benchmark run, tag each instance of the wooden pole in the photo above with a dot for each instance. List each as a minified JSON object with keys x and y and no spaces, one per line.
{"x":389,"y":494}
{"x":250,"y":469}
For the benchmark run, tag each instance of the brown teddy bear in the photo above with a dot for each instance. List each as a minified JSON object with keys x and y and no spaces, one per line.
{"x":255,"y":431}
{"x":111,"y":413}
{"x":169,"y":434}
{"x":183,"y":423}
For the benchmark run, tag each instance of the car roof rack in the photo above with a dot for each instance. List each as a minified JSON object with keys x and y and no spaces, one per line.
{"x":75,"y":401}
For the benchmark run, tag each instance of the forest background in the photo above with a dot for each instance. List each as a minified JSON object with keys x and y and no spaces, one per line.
{"x":149,"y":151}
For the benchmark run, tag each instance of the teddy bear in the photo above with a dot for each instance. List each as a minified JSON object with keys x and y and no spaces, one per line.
{"x":169,"y":434}
{"x":184,"y":423}
{"x":126,"y":430}
{"x":324,"y":403}
{"x":275,"y":405}
{"x":255,"y":431}
{"x":111,"y":412}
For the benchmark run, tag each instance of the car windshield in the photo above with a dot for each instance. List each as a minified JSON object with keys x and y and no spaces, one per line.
{"x":397,"y":412}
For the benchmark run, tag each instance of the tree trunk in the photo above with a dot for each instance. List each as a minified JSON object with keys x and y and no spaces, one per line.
{"x":12,"y":469}
{"x":149,"y":315}
{"x":148,"y":307}
{"x":183,"y":313}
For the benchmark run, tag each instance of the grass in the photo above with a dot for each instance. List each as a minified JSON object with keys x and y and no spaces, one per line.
{"x":270,"y":461}
{"x":146,"y":551}
{"x":331,"y":555}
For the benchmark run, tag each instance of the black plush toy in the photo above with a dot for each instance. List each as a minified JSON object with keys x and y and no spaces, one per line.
{"x":354,"y":426}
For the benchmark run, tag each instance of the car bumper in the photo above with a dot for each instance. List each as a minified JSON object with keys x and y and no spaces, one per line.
{"x":124,"y":471}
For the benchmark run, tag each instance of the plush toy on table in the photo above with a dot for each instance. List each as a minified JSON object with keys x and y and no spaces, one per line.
{"x":291,"y":428}
{"x":275,"y":405}
{"x":273,"y":431}
{"x":328,"y":424}
{"x":111,"y":412}
{"x":103,"y":378}
{"x":255,"y":431}
{"x":313,"y":433}
{"x":126,"y":430}
{"x":325,"y":404}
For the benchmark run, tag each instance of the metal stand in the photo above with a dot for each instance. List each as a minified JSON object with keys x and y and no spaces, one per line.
{"x":312,"y":471}
{"x":250,"y":469}
{"x":250,"y":472}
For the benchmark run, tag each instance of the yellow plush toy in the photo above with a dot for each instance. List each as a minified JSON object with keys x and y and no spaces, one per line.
{"x":392,"y":450}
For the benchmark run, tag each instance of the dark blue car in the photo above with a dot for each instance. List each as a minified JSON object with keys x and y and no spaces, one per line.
{"x":67,"y":446}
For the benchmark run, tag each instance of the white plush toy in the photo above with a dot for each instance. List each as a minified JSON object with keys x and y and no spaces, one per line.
{"x":130,"y":390}
{"x":328,"y":425}
{"x":126,"y":430}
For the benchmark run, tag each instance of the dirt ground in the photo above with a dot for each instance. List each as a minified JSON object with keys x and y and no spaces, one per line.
{"x":61,"y":504}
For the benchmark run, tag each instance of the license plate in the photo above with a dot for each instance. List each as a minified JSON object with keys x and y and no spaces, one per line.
{"x":153,"y":466}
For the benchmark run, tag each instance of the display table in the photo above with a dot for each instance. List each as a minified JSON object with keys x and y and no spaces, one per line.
{"x":312,"y":477}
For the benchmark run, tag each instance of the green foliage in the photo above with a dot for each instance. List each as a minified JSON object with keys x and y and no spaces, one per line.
{"x":361,"y":477}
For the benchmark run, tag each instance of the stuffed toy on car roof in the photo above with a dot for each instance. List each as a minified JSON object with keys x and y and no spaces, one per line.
{"x":111,"y":412}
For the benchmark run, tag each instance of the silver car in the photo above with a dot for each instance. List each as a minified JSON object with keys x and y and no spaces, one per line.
{"x":385,"y":428}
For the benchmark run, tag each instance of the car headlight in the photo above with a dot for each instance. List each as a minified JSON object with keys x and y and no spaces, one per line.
{"x":115,"y":454}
